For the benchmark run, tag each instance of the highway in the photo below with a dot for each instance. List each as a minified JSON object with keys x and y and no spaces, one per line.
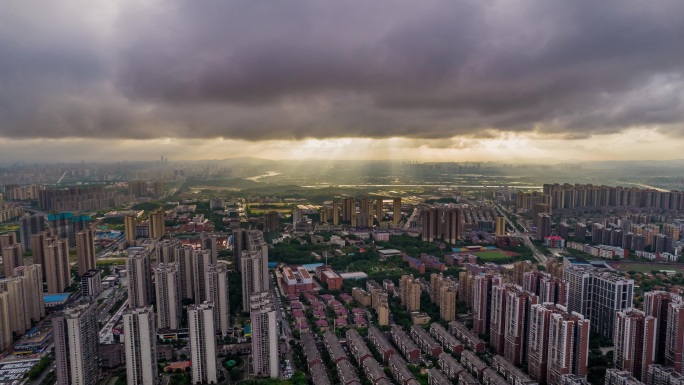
{"x":412,"y":218}
{"x":174,"y":190}
{"x":106,"y":335}
{"x":541,"y":258}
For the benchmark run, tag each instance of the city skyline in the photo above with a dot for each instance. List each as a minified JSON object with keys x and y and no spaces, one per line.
{"x":429,"y":81}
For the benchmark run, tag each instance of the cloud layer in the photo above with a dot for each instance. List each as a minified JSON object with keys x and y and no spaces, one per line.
{"x":259,"y":70}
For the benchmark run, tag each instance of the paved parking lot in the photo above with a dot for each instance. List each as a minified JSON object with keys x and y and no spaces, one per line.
{"x":14,"y":371}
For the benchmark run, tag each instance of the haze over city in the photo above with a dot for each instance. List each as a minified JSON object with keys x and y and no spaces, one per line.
{"x":433,"y":80}
{"x":357,"y":192}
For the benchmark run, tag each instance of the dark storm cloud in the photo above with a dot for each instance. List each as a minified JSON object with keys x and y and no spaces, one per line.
{"x":288,"y":70}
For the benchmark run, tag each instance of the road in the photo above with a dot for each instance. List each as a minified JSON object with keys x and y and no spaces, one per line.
{"x":44,"y":374}
{"x":174,"y":190}
{"x":412,"y":218}
{"x":106,"y":335}
{"x":286,"y":332}
{"x":524,"y":236}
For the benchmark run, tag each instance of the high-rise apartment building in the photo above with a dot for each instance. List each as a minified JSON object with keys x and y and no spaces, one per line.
{"x":209,"y":241}
{"x":129,"y":228}
{"x":32,"y":277}
{"x":62,"y":225}
{"x":168,"y":296}
{"x":56,"y":262}
{"x":396,"y":211}
{"x":158,"y":188}
{"x":453,"y":225}
{"x":255,"y":277}
{"x":379,"y":209}
{"x":137,"y":188}
{"x":409,"y":289}
{"x":431,"y":222}
{"x":19,"y":320}
{"x":139,"y":278}
{"x":674,"y":349}
{"x":447,"y":303}
{"x":540,"y":208}
{"x":348,"y":209}
{"x":201,"y":259}
{"x":482,"y":301}
{"x":217,"y":292}
{"x":247,"y":240}
{"x":85,"y":250}
{"x":543,"y":226}
{"x":37,"y":248}
{"x":497,"y":313}
{"x":202,"y":343}
{"x":271,"y":221}
{"x":8,"y":239}
{"x":578,"y":282}
{"x":656,"y":304}
{"x":465,"y":287}
{"x":443,"y":292}
{"x":558,"y":343}
{"x":365,"y":206}
{"x":437,"y":281}
{"x":635,"y":342}
{"x":518,"y":304}
{"x":618,"y":377}
{"x":29,"y":225}
{"x":324,"y":214}
{"x":519,"y":270}
{"x":186,"y":275}
{"x":441,"y":223}
{"x":509,"y":314}
{"x":500,"y":226}
{"x":12,"y":256}
{"x":166,"y":250}
{"x":141,"y":345}
{"x":610,"y":294}
{"x":91,"y":284}
{"x":5,"y":327}
{"x":264,"y":335}
{"x":336,"y":212}
{"x":598,"y":295}
{"x":76,"y":345}
{"x":157,"y":223}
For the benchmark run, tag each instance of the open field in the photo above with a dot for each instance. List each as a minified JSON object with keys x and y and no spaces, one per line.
{"x":647,"y":267}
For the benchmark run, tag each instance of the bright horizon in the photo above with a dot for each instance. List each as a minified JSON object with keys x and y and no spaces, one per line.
{"x":507,"y":149}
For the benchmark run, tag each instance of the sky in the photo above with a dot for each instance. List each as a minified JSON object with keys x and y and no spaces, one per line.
{"x":442,"y":80}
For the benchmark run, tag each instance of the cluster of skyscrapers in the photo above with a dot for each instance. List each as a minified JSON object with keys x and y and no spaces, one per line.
{"x":251,"y":259}
{"x":442,"y":223}
{"x":543,"y":319}
{"x":368,"y":211}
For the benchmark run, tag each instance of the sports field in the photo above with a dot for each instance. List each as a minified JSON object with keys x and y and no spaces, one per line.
{"x":494,"y":256}
{"x":647,"y":267}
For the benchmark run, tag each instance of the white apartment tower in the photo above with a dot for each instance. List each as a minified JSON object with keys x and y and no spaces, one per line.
{"x":201,"y":259}
{"x":217,"y":292}
{"x":76,"y":345}
{"x":202,"y":343}
{"x":33,"y":290}
{"x":167,"y":289}
{"x":139,"y":278}
{"x":140,"y":342}
{"x":254,"y":275}
{"x":264,"y":335}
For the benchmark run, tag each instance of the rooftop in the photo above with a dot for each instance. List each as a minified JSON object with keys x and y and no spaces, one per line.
{"x":54,"y":298}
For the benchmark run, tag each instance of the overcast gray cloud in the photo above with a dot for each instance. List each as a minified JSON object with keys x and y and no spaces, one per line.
{"x":288,"y":70}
